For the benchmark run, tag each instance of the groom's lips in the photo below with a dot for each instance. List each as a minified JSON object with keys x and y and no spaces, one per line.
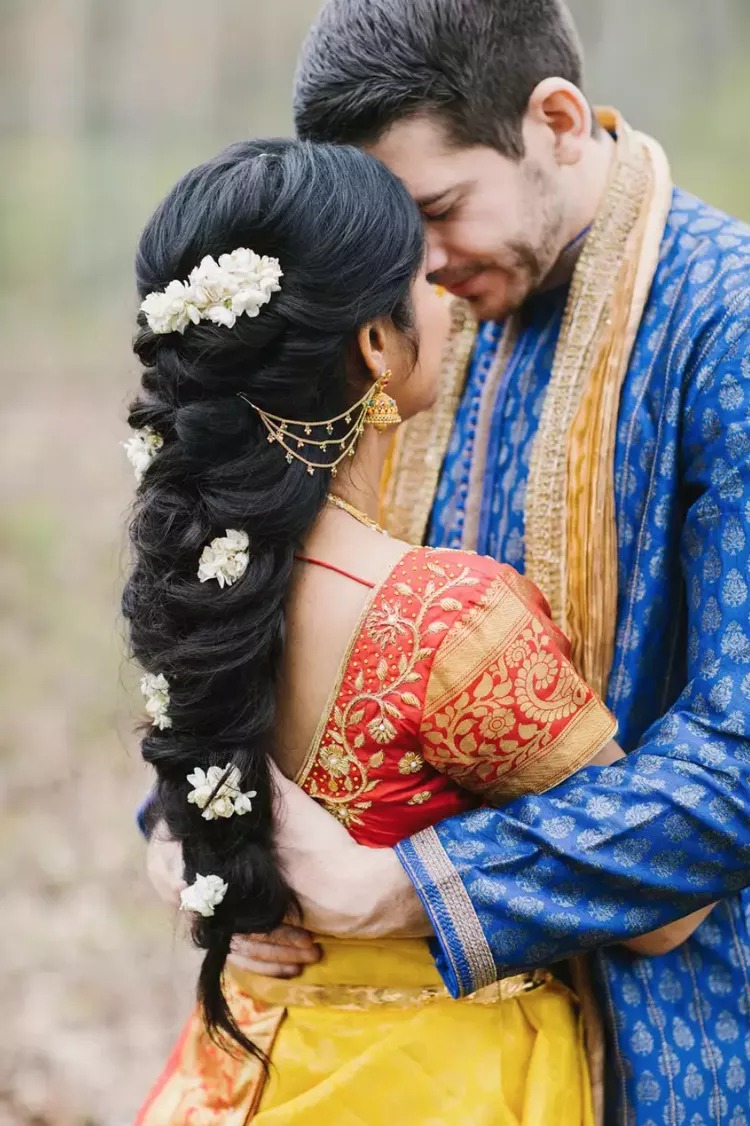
{"x":467,"y":287}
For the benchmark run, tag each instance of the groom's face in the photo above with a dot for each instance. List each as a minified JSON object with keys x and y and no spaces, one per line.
{"x":494,"y":225}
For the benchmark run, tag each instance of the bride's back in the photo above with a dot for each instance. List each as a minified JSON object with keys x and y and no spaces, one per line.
{"x":323,"y":614}
{"x":269,"y":294}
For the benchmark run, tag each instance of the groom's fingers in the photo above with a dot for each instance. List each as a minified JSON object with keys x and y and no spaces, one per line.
{"x":283,"y":953}
{"x":266,"y":969}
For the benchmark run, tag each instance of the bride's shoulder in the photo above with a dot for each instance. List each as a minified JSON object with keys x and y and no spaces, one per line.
{"x":440,"y":565}
{"x":470,"y":562}
{"x":470,"y":570}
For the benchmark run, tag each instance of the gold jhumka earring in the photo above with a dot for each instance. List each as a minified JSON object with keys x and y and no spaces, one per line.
{"x":382,"y":411}
{"x":374,"y":409}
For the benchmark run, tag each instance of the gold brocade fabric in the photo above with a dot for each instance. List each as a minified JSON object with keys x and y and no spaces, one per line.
{"x":570,"y":533}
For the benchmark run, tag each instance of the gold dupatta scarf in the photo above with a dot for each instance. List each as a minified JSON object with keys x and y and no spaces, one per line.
{"x":570,"y":532}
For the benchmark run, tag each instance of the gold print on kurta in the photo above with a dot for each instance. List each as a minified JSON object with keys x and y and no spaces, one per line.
{"x":507,"y":716}
{"x":403,"y":627}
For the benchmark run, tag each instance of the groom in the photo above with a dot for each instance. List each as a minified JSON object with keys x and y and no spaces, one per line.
{"x":594,"y":430}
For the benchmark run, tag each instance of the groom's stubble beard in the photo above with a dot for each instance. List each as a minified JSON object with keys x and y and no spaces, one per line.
{"x":523,"y":265}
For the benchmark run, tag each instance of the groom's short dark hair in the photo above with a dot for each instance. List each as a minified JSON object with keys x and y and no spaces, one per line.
{"x":471,"y":63}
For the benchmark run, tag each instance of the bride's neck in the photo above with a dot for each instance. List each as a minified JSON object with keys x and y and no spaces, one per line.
{"x":358,"y":480}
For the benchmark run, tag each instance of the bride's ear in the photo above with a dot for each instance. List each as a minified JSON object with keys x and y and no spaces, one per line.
{"x":372,"y":340}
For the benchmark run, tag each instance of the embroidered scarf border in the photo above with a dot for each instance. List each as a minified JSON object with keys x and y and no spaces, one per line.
{"x":570,"y":518}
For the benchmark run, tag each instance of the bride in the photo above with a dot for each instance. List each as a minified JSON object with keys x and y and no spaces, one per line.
{"x":286,"y":329}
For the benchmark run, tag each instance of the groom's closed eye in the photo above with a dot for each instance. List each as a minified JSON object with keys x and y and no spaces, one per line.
{"x":436,"y":216}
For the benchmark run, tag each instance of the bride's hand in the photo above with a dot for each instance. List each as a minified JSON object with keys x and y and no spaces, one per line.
{"x":164,"y":865}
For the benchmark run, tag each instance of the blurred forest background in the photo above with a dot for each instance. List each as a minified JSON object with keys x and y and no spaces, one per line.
{"x":102,"y":106}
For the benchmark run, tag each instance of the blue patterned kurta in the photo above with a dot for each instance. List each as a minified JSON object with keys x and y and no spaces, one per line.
{"x":619,"y":850}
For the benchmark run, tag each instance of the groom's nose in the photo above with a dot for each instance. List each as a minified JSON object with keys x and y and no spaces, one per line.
{"x":437,"y":258}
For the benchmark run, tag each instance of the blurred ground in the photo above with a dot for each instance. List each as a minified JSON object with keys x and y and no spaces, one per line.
{"x":94,"y":982}
{"x":101,"y":106}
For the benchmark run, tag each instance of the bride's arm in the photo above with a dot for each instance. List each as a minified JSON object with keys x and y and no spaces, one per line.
{"x":347,"y":889}
{"x":343,"y":888}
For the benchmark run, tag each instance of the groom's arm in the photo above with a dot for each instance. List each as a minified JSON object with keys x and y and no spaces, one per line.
{"x":628,"y":848}
{"x":608,"y":855}
{"x":614,"y":852}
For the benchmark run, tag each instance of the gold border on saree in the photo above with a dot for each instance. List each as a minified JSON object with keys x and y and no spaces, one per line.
{"x":274,"y":991}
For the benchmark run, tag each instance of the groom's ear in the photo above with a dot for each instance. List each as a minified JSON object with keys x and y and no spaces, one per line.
{"x":561,"y":109}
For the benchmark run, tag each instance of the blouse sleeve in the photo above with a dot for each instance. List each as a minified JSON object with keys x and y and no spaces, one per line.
{"x":506,"y":714}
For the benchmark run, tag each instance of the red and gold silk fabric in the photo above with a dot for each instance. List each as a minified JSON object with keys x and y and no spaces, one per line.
{"x":456,"y":689}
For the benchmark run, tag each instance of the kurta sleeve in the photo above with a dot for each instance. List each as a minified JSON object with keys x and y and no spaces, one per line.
{"x":505,"y":711}
{"x":617,"y":851}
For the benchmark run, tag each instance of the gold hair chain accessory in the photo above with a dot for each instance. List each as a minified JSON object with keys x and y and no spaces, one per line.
{"x":375,"y":408}
{"x":356,"y":513}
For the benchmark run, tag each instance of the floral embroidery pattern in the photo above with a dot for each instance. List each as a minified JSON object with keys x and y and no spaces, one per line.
{"x":404,"y":628}
{"x":420,"y":798}
{"x":410,"y":763}
{"x":506,"y":728}
{"x":386,"y":625}
{"x":334,"y":761}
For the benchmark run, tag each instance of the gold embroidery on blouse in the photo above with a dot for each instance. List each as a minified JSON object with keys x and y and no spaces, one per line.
{"x":508,"y":712}
{"x":344,"y":792}
{"x":314,"y":748}
{"x":410,"y":763}
{"x":420,"y":798}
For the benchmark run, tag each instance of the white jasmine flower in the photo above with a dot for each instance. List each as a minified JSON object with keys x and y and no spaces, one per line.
{"x":141,"y":450}
{"x":227,"y":799}
{"x":210,"y":284}
{"x":240,"y":282}
{"x":171,"y":311}
{"x":220,"y":315}
{"x":204,"y":895}
{"x":200,"y":795}
{"x":156,"y":692}
{"x":225,"y":558}
{"x":243,"y":803}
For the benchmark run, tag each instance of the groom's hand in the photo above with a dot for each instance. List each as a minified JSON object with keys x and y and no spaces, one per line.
{"x":344,"y":889}
{"x":282,"y":953}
